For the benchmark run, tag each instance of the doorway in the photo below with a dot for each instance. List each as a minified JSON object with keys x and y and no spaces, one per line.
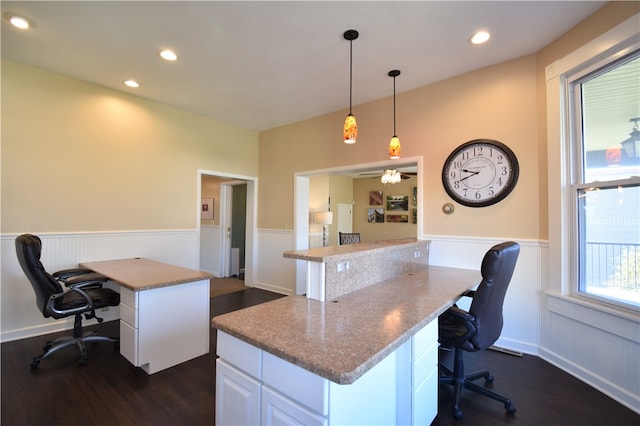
{"x":301,"y":202}
{"x":223,"y":237}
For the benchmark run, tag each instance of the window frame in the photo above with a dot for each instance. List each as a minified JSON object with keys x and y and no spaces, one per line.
{"x":615,"y":43}
{"x":604,"y":63}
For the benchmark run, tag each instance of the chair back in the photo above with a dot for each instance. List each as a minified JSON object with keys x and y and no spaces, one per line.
{"x":28,"y":249}
{"x":497,"y":269}
{"x":349,"y":237}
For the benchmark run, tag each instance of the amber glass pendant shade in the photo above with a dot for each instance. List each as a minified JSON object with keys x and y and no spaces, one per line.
{"x":394,"y":148}
{"x":350,"y":129}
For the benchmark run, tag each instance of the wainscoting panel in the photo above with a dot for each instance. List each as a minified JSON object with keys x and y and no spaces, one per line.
{"x":274,"y":272}
{"x":598,"y":348}
{"x":20,"y":316}
{"x":210,"y":249}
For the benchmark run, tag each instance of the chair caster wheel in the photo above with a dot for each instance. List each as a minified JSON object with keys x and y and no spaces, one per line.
{"x":82,"y":360}
{"x":488,"y":379}
{"x":510,"y":407}
{"x":35,"y":363}
{"x":457,"y":413}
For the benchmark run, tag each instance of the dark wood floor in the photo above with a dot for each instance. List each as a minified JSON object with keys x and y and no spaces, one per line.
{"x":110,"y":391}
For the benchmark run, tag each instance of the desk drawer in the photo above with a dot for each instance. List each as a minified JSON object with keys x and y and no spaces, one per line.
{"x":129,"y":343}
{"x":129,"y":315}
{"x":128,"y":297}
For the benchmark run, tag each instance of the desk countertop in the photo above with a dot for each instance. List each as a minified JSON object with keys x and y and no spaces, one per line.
{"x":343,"y":338}
{"x":143,"y":274}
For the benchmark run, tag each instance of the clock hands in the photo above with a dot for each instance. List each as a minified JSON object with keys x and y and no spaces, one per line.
{"x":468,"y":176}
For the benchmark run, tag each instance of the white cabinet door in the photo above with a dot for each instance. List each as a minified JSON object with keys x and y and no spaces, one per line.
{"x":280,"y":410}
{"x":237,"y":396}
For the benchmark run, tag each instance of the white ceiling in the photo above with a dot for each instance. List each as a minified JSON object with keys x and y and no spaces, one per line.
{"x":264,"y":64}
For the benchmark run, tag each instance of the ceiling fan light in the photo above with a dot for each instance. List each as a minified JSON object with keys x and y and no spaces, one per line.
{"x":394,"y":148}
{"x":350,"y":129}
{"x":390,"y":177}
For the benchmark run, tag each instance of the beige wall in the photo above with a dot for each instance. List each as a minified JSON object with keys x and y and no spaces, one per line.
{"x":382,"y":231}
{"x":607,"y":17}
{"x":80,"y":157}
{"x":498,"y":102}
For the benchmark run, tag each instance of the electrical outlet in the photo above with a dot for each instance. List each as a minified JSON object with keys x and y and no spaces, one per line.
{"x":416,"y":253}
{"x":343,"y":266}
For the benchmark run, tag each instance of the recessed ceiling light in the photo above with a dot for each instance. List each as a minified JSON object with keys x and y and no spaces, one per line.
{"x":168,"y":55}
{"x":131,"y":83}
{"x":18,"y":21}
{"x":480,"y":37}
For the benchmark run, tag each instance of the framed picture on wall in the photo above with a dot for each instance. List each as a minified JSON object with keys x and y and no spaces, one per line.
{"x":206,"y":211}
{"x":415,"y":195}
{"x":414,"y":216}
{"x":375,"y":216}
{"x":397,"y":218}
{"x":398,"y":202}
{"x":375,"y":198}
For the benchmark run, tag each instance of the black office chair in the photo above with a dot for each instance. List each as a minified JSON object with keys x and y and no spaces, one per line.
{"x":479,"y":328}
{"x":348,"y":237}
{"x":53,"y":301}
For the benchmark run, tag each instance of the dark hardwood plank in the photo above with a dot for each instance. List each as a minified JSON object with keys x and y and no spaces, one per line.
{"x":110,"y":391}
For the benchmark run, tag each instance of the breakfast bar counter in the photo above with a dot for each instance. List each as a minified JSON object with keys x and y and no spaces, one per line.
{"x":366,"y":357}
{"x":343,"y":338}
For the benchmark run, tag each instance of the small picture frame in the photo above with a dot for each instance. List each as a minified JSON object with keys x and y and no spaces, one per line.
{"x":398,"y":218}
{"x":375,"y":215}
{"x":398,"y":202}
{"x":415,"y":195}
{"x":414,"y":216}
{"x":375,"y":198}
{"x":206,"y":209}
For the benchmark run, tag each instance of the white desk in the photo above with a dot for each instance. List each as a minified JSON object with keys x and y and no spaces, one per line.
{"x":164,"y":311}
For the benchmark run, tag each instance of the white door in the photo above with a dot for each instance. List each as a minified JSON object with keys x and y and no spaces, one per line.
{"x":345,"y":217}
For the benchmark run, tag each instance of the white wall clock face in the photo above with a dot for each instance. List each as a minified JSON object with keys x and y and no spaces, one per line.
{"x":480,"y":173}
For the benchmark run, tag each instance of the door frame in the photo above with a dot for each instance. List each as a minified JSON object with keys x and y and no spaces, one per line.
{"x":251,"y":243}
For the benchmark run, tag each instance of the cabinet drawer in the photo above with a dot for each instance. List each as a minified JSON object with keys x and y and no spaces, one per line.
{"x":129,"y":315}
{"x":424,"y":366}
{"x":129,"y":343}
{"x":425,"y":401}
{"x":424,"y":339}
{"x":296,"y":383}
{"x":128,"y":297}
{"x":240,"y":354}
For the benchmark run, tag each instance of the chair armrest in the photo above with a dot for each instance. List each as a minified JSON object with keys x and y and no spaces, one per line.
{"x":469,"y":293}
{"x":453,"y":318}
{"x":88,"y":306}
{"x":67,"y":273}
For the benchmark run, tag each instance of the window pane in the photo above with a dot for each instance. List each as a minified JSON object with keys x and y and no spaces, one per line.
{"x":609,"y":243}
{"x":610,"y":115}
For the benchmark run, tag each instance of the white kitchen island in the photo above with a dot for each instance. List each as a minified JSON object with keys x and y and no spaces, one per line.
{"x":366,"y":357}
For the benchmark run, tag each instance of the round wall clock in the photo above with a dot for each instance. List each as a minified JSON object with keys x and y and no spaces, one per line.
{"x":480,"y":173}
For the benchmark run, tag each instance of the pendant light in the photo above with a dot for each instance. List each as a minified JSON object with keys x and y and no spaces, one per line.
{"x":394,"y":144}
{"x":350,"y":132}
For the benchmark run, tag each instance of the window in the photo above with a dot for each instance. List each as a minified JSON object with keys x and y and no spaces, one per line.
{"x":606,"y":180}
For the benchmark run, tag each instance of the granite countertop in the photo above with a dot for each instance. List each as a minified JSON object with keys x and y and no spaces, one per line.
{"x":343,"y":338}
{"x":337,"y":253}
{"x":143,"y":274}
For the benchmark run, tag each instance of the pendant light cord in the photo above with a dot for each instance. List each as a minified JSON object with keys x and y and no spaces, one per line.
{"x":350,"y":73}
{"x":394,"y":106}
